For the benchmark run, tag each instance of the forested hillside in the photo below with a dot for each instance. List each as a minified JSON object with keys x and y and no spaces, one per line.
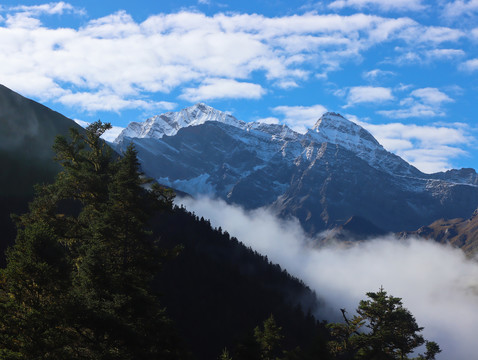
{"x":27,"y":132}
{"x":218,"y":291}
{"x":103,"y":267}
{"x":76,"y":243}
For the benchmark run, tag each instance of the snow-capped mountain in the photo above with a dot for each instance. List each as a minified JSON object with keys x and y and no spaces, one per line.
{"x":335,"y":129}
{"x":323,"y":177}
{"x":169,"y":123}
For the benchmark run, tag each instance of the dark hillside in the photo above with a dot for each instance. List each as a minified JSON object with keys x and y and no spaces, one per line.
{"x":27,"y":132}
{"x":218,"y":291}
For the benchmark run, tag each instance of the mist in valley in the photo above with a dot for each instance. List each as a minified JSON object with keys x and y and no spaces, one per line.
{"x":437,"y":283}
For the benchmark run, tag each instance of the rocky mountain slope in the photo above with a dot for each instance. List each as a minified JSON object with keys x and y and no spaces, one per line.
{"x":333,"y":172}
{"x":462,"y":233}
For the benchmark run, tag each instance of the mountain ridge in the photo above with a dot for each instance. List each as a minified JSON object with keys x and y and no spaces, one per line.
{"x":458,"y":232}
{"x":27,"y":133}
{"x":169,"y":123}
{"x":334,"y":171}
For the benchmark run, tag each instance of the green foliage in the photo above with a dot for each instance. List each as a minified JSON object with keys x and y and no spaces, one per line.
{"x":269,"y":339}
{"x":225,"y":355}
{"x":218,"y":285}
{"x":78,"y":281}
{"x":346,"y":337}
{"x":432,"y":350}
{"x":392,"y":331}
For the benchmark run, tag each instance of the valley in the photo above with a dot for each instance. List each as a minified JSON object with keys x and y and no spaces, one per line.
{"x":238,"y":180}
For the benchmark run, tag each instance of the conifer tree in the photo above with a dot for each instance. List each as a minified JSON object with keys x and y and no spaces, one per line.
{"x":269,"y":339}
{"x":392,"y":334}
{"x":78,"y":280}
{"x":225,"y":355}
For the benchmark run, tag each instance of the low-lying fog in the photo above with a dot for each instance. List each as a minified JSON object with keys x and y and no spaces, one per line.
{"x":436,"y":283}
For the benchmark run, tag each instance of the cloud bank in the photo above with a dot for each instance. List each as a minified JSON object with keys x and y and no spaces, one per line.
{"x":437,"y":283}
{"x":114,"y":62}
{"x":430,"y":148}
{"x":300,"y":118}
{"x":384,"y":5}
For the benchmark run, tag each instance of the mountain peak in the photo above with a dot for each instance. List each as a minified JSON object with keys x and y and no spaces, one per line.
{"x":333,"y":128}
{"x":336,"y":129}
{"x":329,"y":118}
{"x":200,"y":108}
{"x":171,"y":122}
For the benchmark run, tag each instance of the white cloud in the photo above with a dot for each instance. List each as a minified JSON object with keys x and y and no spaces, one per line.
{"x":119,"y":25}
{"x":406,"y":57}
{"x":117,"y":55}
{"x":112,"y":134}
{"x":470,"y":65}
{"x":53,"y":8}
{"x":424,"y":55}
{"x":82,"y":123}
{"x":300,"y":118}
{"x":433,"y":159}
{"x":439,"y":34}
{"x":459,"y":8}
{"x":109,"y":135}
{"x":384,"y":5}
{"x":104,"y":101}
{"x":437,"y":284}
{"x":424,"y":102}
{"x":368,"y":94}
{"x":375,"y":74}
{"x":431,"y":96}
{"x":268,"y":120}
{"x":444,"y":54}
{"x":425,"y":134}
{"x":287,"y":84}
{"x":474,"y":33}
{"x":223,"y":89}
{"x":415,"y":110}
{"x":431,"y":35}
{"x":430,"y":148}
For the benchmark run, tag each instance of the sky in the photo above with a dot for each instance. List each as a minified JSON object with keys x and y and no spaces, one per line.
{"x":406,"y":70}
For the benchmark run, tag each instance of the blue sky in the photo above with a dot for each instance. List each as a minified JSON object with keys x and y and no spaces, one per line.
{"x":406,"y":70}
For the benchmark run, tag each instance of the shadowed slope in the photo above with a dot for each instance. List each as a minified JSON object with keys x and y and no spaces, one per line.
{"x":27,"y":132}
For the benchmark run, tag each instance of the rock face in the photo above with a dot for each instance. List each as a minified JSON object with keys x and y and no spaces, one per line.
{"x":333,"y":172}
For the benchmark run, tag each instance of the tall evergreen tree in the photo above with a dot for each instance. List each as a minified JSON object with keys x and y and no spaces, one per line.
{"x":392,"y":333}
{"x":78,"y":280}
{"x":269,"y":339}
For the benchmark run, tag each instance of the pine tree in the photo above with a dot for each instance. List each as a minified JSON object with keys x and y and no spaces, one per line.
{"x":78,"y":280}
{"x":269,"y":339}
{"x":225,"y":355}
{"x":432,"y":350}
{"x":392,"y":333}
{"x":32,"y":295}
